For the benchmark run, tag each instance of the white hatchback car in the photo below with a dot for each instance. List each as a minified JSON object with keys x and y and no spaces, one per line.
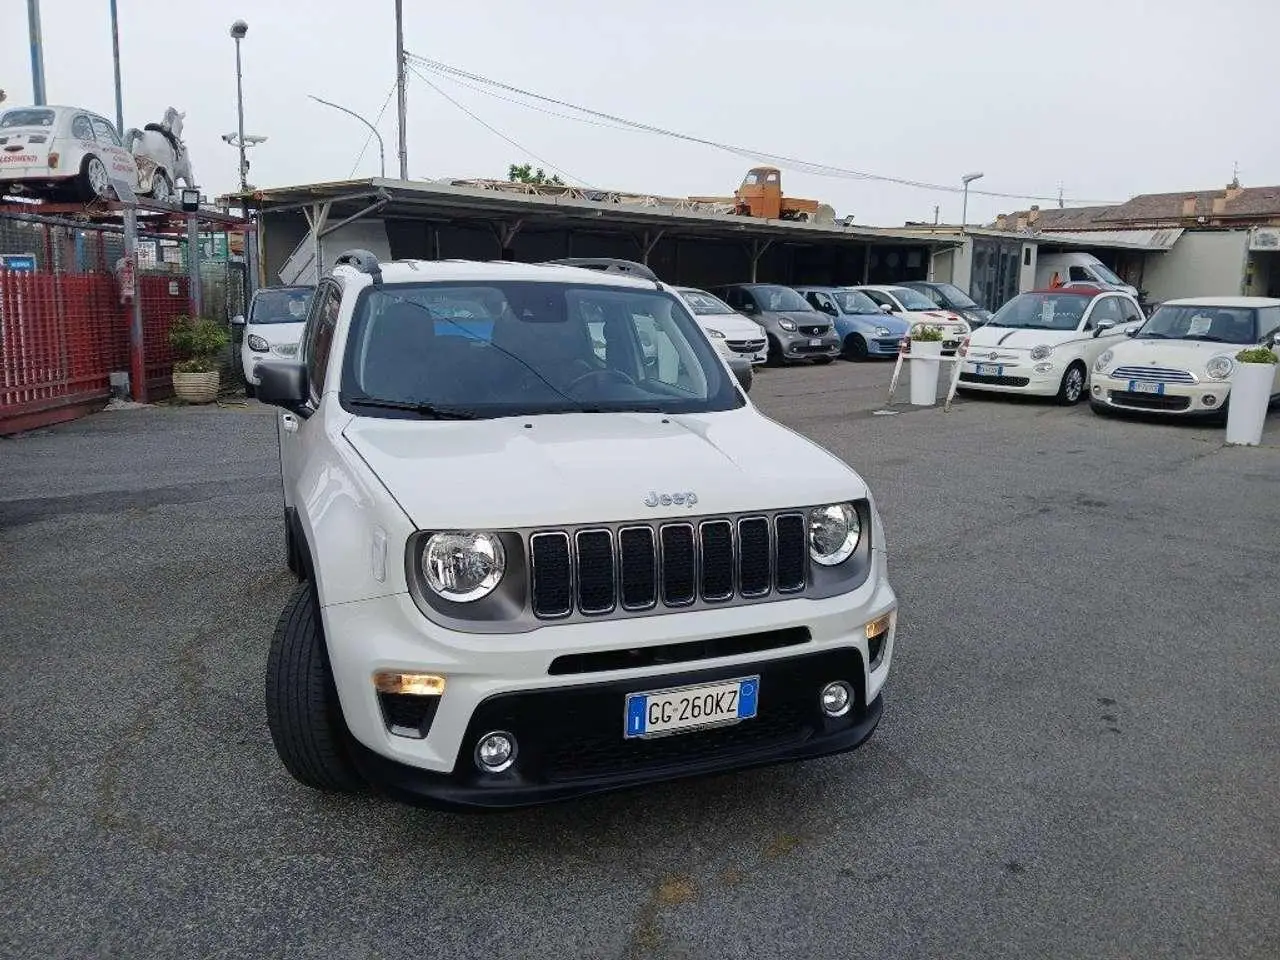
{"x":914,"y":307}
{"x":529,"y":572}
{"x":273,"y":327}
{"x":62,"y":152}
{"x":733,"y":334}
{"x":1181,"y":361}
{"x":1044,"y":342}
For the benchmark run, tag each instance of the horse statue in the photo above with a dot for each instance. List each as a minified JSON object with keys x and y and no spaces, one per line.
{"x":161,"y":156}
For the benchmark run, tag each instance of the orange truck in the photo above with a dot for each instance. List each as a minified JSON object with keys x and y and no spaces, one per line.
{"x":761,"y":196}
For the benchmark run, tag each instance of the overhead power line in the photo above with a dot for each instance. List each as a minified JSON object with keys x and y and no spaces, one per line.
{"x":494,"y":130}
{"x":458,"y":75}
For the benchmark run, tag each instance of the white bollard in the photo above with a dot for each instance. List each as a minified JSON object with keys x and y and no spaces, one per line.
{"x":924,"y":372}
{"x":1247,"y":403}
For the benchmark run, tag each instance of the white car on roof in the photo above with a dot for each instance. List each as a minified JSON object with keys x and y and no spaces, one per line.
{"x":531,"y":569}
{"x":1045,"y":342}
{"x":732,"y":333}
{"x":62,"y":152}
{"x":1182,"y":360}
{"x":915,"y":308}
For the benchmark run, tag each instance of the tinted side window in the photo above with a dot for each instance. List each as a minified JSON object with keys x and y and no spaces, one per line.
{"x":1108,"y":308}
{"x":880,"y":298}
{"x":1078,"y":273}
{"x":931,"y":293}
{"x":105,"y":133}
{"x":1130,"y":311}
{"x":820,"y":301}
{"x":1268,"y":321}
{"x":319,"y":335}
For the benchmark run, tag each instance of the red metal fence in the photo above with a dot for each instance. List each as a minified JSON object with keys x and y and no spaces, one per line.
{"x":61,"y":335}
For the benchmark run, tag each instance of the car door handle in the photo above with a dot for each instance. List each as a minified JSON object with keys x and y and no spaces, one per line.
{"x":290,"y":423}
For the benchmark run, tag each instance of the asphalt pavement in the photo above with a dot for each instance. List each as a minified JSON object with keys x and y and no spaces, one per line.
{"x":1080,"y":755}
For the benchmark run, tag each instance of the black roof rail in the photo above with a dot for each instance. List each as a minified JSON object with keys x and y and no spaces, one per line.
{"x":608,"y":265}
{"x":363,"y":260}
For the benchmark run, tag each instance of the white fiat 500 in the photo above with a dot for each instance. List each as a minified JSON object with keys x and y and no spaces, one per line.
{"x":530,"y":571}
{"x":1182,"y":360}
{"x":62,"y":152}
{"x":1045,"y":342}
{"x":732,"y":333}
{"x":272,"y":328}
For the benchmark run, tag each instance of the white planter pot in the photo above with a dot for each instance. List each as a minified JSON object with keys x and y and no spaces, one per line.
{"x":924,"y":373}
{"x":1247,"y":403}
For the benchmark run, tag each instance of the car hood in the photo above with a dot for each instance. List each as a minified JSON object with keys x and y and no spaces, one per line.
{"x":1013,"y":338}
{"x":733,"y":326}
{"x":1189,"y":355}
{"x":557,"y":470}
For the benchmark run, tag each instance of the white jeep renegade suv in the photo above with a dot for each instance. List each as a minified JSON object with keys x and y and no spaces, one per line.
{"x":538,"y":561}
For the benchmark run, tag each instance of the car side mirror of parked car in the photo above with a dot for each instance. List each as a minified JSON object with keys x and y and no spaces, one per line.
{"x":282,"y":383}
{"x":238,"y":320}
{"x":748,"y":307}
{"x":886,"y":308}
{"x":1102,"y":327}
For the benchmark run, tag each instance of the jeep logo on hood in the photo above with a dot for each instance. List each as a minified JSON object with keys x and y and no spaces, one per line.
{"x":687,"y":499}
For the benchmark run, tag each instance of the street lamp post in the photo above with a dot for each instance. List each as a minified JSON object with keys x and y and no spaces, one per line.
{"x":382,"y":152}
{"x":967,"y":179}
{"x":238,"y":31}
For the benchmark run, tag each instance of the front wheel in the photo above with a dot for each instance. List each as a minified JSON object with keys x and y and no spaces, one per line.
{"x":775,"y":352}
{"x":303,"y":712}
{"x":855,"y":348}
{"x":1072,"y":386}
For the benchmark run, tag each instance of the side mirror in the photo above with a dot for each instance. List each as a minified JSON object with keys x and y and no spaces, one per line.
{"x":1102,"y":327}
{"x":1132,"y":332}
{"x":886,"y":308}
{"x":282,"y":383}
{"x":749,"y":307}
{"x":238,"y":320}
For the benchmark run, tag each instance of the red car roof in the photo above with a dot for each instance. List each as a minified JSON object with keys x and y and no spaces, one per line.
{"x":1072,"y":291}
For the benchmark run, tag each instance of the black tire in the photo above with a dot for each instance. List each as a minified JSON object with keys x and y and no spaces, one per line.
{"x":822,"y":361}
{"x":303,"y":712}
{"x":775,"y":352}
{"x":1072,"y":387}
{"x":1101,"y":409}
{"x":250,"y":390}
{"x":84,"y":183}
{"x":855,"y":348}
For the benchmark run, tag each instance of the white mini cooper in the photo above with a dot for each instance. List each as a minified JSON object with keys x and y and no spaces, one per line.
{"x":1182,"y":360}
{"x":530,"y":571}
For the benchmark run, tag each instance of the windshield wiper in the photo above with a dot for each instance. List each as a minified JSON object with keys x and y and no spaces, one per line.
{"x":1207,"y":338}
{"x":430,"y":411}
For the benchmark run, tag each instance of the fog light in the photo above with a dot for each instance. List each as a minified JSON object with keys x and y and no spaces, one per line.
{"x":496,"y":752}
{"x":1097,"y":389}
{"x":837,"y":699}
{"x":1209,"y":400}
{"x":417,"y":684}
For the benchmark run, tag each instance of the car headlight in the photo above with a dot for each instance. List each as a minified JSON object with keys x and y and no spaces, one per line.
{"x":834,"y":532}
{"x":1219,"y":367}
{"x":1103,"y":360}
{"x":464,"y":566}
{"x":1041,"y":352}
{"x":715,"y":334}
{"x":257,"y":343}
{"x":883,"y":332}
{"x":786,"y":324}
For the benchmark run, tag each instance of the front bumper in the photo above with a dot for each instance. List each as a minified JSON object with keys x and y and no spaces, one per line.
{"x":569,"y":725}
{"x":797,"y":347}
{"x":1173,"y":399}
{"x":1022,"y":376}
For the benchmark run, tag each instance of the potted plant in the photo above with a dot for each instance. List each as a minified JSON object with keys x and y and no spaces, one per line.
{"x":924,"y":350}
{"x":1250,"y":395}
{"x":198,"y":343}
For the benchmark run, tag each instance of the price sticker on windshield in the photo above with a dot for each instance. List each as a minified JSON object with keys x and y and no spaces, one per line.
{"x":1199,"y":325}
{"x":1046,"y":312}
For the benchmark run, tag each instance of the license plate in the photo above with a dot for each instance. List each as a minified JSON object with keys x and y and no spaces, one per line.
{"x":815,"y":343}
{"x":1142,"y":386}
{"x":990,"y":370}
{"x":656,"y":712}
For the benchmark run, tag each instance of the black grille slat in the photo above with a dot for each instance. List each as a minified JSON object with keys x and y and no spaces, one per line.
{"x":679,"y":565}
{"x":595,"y":571}
{"x":639,"y":561}
{"x":790,"y":552}
{"x":552,"y":576}
{"x":717,"y":560}
{"x":753,"y":557}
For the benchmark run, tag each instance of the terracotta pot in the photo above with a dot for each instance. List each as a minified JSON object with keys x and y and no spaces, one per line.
{"x":196,"y":387}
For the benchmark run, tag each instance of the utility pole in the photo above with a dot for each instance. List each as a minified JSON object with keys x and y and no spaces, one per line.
{"x":936,"y":212}
{"x":115,"y":56}
{"x":401,"y":107}
{"x":37,"y":54}
{"x":1059,"y":196}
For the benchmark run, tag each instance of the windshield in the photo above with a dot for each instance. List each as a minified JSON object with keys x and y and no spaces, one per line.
{"x":912,"y":299}
{"x":855,"y":301}
{"x":1211,"y":324}
{"x":506,"y":349}
{"x":281,"y":306}
{"x":779,"y":299}
{"x":27,"y":118}
{"x":1042,"y":311}
{"x":1105,"y":275}
{"x":704,"y":304}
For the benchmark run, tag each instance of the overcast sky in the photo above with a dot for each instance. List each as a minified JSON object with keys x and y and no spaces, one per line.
{"x":1106,"y":98}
